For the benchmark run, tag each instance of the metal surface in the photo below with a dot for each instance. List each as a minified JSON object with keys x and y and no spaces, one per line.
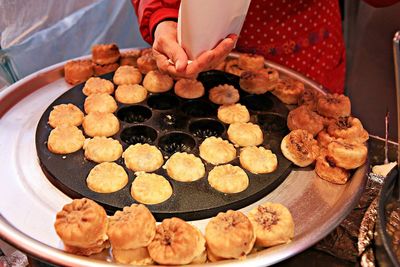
{"x":30,"y":202}
{"x":396,"y":56}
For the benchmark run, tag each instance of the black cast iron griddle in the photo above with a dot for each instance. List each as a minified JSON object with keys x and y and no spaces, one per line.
{"x":172,"y":124}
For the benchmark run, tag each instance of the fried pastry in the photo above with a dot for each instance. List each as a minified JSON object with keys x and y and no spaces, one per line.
{"x":104,"y":69}
{"x":326,"y":169}
{"x":143,"y":157}
{"x":146,"y":63}
{"x":107,"y":177}
{"x":78,"y":71}
{"x":129,"y":57}
{"x":156,"y":82}
{"x":105,"y":53}
{"x":132,"y":228}
{"x":216,"y":151}
{"x":176,"y":243}
{"x":137,"y":256}
{"x":150,"y":188}
{"x":324,"y":139}
{"x":130,"y":93}
{"x":300,"y":147}
{"x":233,"y":113}
{"x":228,"y":179}
{"x":258,"y":160}
{"x":251,"y":62}
{"x":82,"y":226}
{"x":230,"y":235}
{"x":189,"y":88}
{"x":97,"y":85}
{"x":65,"y":139}
{"x":127,"y":75}
{"x":305,"y":119}
{"x":100,"y":124}
{"x":100,"y":103}
{"x":67,"y":114}
{"x":309,"y":98}
{"x":102,"y":149}
{"x":347,"y":155}
{"x":288,"y":90}
{"x":349,"y":128}
{"x":232,"y":67}
{"x":245,"y":134}
{"x":259,"y":82}
{"x":273,"y":224}
{"x":334,"y":106}
{"x":224,"y":94}
{"x":184,"y":167}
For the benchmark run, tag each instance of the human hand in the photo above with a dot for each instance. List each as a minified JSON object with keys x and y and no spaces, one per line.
{"x":166,"y":47}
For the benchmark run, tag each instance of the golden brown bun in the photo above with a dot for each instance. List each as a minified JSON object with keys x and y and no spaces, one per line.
{"x":300,"y":147}
{"x":306,"y":119}
{"x":157,"y":82}
{"x":309,"y":98}
{"x":259,"y":82}
{"x":245,"y":134}
{"x":224,"y":94}
{"x":189,"y":88}
{"x":273,"y":224}
{"x":230,"y":235}
{"x":232,"y":67}
{"x":326,"y":168}
{"x":100,"y":102}
{"x":347,"y":155}
{"x":65,"y":139}
{"x":82,"y":223}
{"x":100,"y":124}
{"x":105,"y":53}
{"x":67,"y":114}
{"x":349,"y":128}
{"x":127,"y":75}
{"x":131,"y":228}
{"x":251,"y":62}
{"x":137,"y":256}
{"x":334,"y":106}
{"x":288,"y":90}
{"x":176,"y":243}
{"x":78,"y":71}
{"x":129,"y":58}
{"x":146,"y":63}
{"x":87,"y":251}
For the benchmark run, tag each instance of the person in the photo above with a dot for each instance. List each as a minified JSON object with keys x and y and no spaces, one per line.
{"x":304,"y":35}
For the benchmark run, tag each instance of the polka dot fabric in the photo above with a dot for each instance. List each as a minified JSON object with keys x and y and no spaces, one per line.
{"x":304,"y":35}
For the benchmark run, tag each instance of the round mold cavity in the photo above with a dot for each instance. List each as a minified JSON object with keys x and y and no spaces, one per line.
{"x":257,"y":102}
{"x":213,"y":78}
{"x":163,"y":102}
{"x":134,"y":114}
{"x":198,"y":108}
{"x":139,"y":134}
{"x":176,"y":142}
{"x":272,"y":122}
{"x":206,"y":127}
{"x":176,"y":121}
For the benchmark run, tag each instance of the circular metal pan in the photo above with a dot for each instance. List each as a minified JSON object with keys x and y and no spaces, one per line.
{"x":30,"y":202}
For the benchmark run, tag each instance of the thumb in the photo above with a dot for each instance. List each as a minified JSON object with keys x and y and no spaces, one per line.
{"x":178,"y":57}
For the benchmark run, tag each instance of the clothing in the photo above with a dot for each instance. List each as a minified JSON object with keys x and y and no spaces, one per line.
{"x":304,"y":35}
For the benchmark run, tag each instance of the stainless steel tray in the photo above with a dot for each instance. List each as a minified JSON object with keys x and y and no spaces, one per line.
{"x":29,"y":202}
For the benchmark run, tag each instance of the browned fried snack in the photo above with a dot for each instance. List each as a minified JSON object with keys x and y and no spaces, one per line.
{"x":100,"y":102}
{"x":65,"y":139}
{"x":82,"y":226}
{"x":100,"y":124}
{"x":306,"y":119}
{"x":146,"y":63}
{"x":97,"y":85}
{"x":288,"y":90}
{"x":347,"y":155}
{"x":68,"y":114}
{"x":104,"y":54}
{"x":334,"y":106}
{"x":326,"y":169}
{"x":189,"y":88}
{"x":127,"y":75}
{"x":103,"y":69}
{"x":157,"y":82}
{"x":78,"y":71}
{"x":224,"y":94}
{"x":300,"y":147}
{"x":230,"y":235}
{"x":232,"y":67}
{"x":251,"y":62}
{"x":259,"y":82}
{"x":309,"y":98}
{"x":176,"y":242}
{"x":129,"y":57}
{"x":349,"y":128}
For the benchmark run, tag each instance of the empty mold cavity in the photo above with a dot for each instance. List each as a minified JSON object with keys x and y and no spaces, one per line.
{"x":206,"y":127}
{"x":139,"y":134}
{"x":257,"y":102}
{"x":272,"y":122}
{"x":171,"y":120}
{"x":176,"y":142}
{"x":213,"y":78}
{"x":198,"y":108}
{"x":163,"y":102}
{"x":134,"y":114}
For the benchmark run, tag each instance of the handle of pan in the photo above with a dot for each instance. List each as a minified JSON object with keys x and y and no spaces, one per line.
{"x":396,"y":54}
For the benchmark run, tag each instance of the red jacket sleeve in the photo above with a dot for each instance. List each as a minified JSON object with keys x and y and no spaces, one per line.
{"x":152,"y":12}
